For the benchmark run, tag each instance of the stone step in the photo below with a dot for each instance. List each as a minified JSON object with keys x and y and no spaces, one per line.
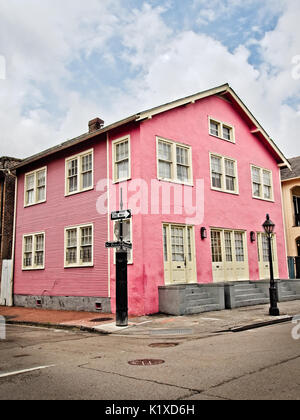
{"x":201,"y":302}
{"x":237,"y":290}
{"x":249,"y":296}
{"x":193,"y":296}
{"x":202,"y":308}
{"x":252,"y":302}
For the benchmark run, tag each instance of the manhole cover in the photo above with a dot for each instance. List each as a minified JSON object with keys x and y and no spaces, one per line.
{"x":21,"y":355}
{"x":163,"y":345}
{"x":146,"y":362}
{"x":101,"y":319}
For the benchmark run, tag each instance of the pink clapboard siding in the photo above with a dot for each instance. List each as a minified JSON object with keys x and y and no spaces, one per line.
{"x":52,"y":217}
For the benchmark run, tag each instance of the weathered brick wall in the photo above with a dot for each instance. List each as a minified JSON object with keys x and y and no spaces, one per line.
{"x":7,"y":204}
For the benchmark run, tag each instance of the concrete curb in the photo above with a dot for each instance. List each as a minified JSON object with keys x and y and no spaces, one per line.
{"x":261,"y":324}
{"x":58,"y":327}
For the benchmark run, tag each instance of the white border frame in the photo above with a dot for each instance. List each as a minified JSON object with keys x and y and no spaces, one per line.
{"x":78,"y":156}
{"x":78,"y":227}
{"x":35,"y":186}
{"x":270,"y":200}
{"x":114,"y":144}
{"x":33,"y":267}
{"x":224,"y":190}
{"x":222,"y":124}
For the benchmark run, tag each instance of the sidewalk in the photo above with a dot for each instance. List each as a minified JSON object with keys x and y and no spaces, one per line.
{"x":200,"y":325}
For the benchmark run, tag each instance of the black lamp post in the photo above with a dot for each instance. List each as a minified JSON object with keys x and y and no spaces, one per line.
{"x":269,"y":228}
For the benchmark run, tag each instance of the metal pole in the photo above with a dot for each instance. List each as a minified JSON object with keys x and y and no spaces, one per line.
{"x":274,"y":311}
{"x":121,"y":289}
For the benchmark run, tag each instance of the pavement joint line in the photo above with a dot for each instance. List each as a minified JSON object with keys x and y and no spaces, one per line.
{"x":143,"y":379}
{"x":19,"y":372}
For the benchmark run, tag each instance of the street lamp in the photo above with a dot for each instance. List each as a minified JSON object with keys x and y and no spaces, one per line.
{"x":269,"y":228}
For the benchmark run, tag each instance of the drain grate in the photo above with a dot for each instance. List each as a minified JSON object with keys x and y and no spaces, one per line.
{"x":146,"y":362}
{"x":101,"y":319}
{"x":163,"y":345}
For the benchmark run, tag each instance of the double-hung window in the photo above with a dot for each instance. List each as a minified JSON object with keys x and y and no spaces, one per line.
{"x":221,"y":130}
{"x":79,"y":246}
{"x":262,"y":185}
{"x":79,"y":173}
{"x":35,"y":187}
{"x":224,"y":174}
{"x":174,"y":161}
{"x":121,"y":159}
{"x":34,"y":251}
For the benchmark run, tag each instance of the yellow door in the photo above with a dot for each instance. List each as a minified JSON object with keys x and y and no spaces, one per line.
{"x":263,"y":256}
{"x":229,"y":255}
{"x":179,"y":254}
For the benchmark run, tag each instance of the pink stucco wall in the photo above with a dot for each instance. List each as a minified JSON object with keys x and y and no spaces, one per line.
{"x":188,"y":125}
{"x":52,"y":217}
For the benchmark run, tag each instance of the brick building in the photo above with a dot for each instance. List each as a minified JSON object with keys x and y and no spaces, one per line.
{"x":7,"y":199}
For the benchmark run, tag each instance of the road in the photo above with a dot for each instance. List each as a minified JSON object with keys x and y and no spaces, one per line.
{"x":257,"y":364}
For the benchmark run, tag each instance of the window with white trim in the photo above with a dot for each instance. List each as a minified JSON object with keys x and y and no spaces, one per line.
{"x":174,"y":161}
{"x":79,"y":173}
{"x":121,"y":159}
{"x":35,"y":187}
{"x":221,"y":130}
{"x":34,"y":251}
{"x":262,"y":184}
{"x":79,"y":246}
{"x":224,"y":174}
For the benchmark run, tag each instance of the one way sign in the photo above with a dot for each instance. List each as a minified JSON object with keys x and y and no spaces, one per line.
{"x":121,"y":215}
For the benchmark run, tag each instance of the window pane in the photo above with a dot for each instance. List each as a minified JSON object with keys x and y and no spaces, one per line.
{"x":256,"y":190}
{"x":216,"y":164}
{"x":182,"y":173}
{"x":182,"y":156}
{"x":165,"y":244}
{"x":189,"y":233}
{"x":267,"y":192}
{"x":87,"y":180}
{"x":122,"y":170}
{"x":177,"y":244}
{"x":165,"y":170}
{"x":226,"y":133}
{"x":86,"y":163}
{"x":217,"y":180}
{"x":214,"y":128}
{"x":267,"y":178}
{"x":239,"y":247}
{"x":30,"y":197}
{"x":216,"y":246}
{"x":256,"y":175}
{"x":73,"y":184}
{"x":122,"y":151}
{"x":164,"y":151}
{"x":86,"y":236}
{"x":41,"y":178}
{"x":73,"y":168}
{"x":30,"y":182}
{"x":71,"y":256}
{"x":72,"y":238}
{"x":228,"y":247}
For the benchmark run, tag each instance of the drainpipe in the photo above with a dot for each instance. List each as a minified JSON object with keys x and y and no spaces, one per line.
{"x":1,"y":211}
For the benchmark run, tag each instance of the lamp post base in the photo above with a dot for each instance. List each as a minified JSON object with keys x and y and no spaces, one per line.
{"x":274,"y":310}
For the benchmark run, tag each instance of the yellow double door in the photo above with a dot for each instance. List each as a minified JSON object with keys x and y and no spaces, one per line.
{"x":263,"y":256}
{"x":229,"y":255}
{"x":179,"y":254}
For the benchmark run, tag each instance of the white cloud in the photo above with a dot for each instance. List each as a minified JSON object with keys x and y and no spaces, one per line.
{"x":167,"y":63}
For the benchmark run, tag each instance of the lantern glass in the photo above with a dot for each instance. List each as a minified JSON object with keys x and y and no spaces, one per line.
{"x":269,"y":226}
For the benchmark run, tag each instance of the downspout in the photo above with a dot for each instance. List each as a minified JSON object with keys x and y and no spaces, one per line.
{"x":2,"y":211}
{"x":14,"y":242}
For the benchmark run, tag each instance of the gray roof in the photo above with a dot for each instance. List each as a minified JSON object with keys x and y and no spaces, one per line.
{"x":286,"y":174}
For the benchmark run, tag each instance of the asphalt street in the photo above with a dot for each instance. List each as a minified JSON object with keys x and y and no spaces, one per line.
{"x":37,"y":363}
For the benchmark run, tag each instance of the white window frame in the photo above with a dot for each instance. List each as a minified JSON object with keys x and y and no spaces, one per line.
{"x":173,"y":161}
{"x":35,"y":187}
{"x":221,"y":126}
{"x":78,"y":157}
{"x":78,"y":264}
{"x":33,"y":266}
{"x":114,"y":163}
{"x":223,"y":176}
{"x":261,"y":171}
{"x":130,"y":260}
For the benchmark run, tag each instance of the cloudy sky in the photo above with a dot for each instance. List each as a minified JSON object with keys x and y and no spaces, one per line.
{"x":64,"y":62}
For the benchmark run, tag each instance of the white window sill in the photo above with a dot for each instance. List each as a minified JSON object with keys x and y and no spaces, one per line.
{"x":33,"y":268}
{"x":224,"y":191}
{"x":80,"y":266}
{"x":222,"y":138}
{"x":34,"y":204}
{"x":174,"y":181}
{"x":263,"y":199}
{"x":78,"y":192}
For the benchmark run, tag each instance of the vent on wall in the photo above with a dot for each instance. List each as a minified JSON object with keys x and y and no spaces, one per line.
{"x":98,"y":306}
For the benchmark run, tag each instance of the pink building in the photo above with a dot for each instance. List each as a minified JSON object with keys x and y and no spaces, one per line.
{"x":199,"y":174}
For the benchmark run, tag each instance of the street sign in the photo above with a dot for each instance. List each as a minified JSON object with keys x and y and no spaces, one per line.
{"x":127,"y":245}
{"x":121,"y":215}
{"x":113,"y":245}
